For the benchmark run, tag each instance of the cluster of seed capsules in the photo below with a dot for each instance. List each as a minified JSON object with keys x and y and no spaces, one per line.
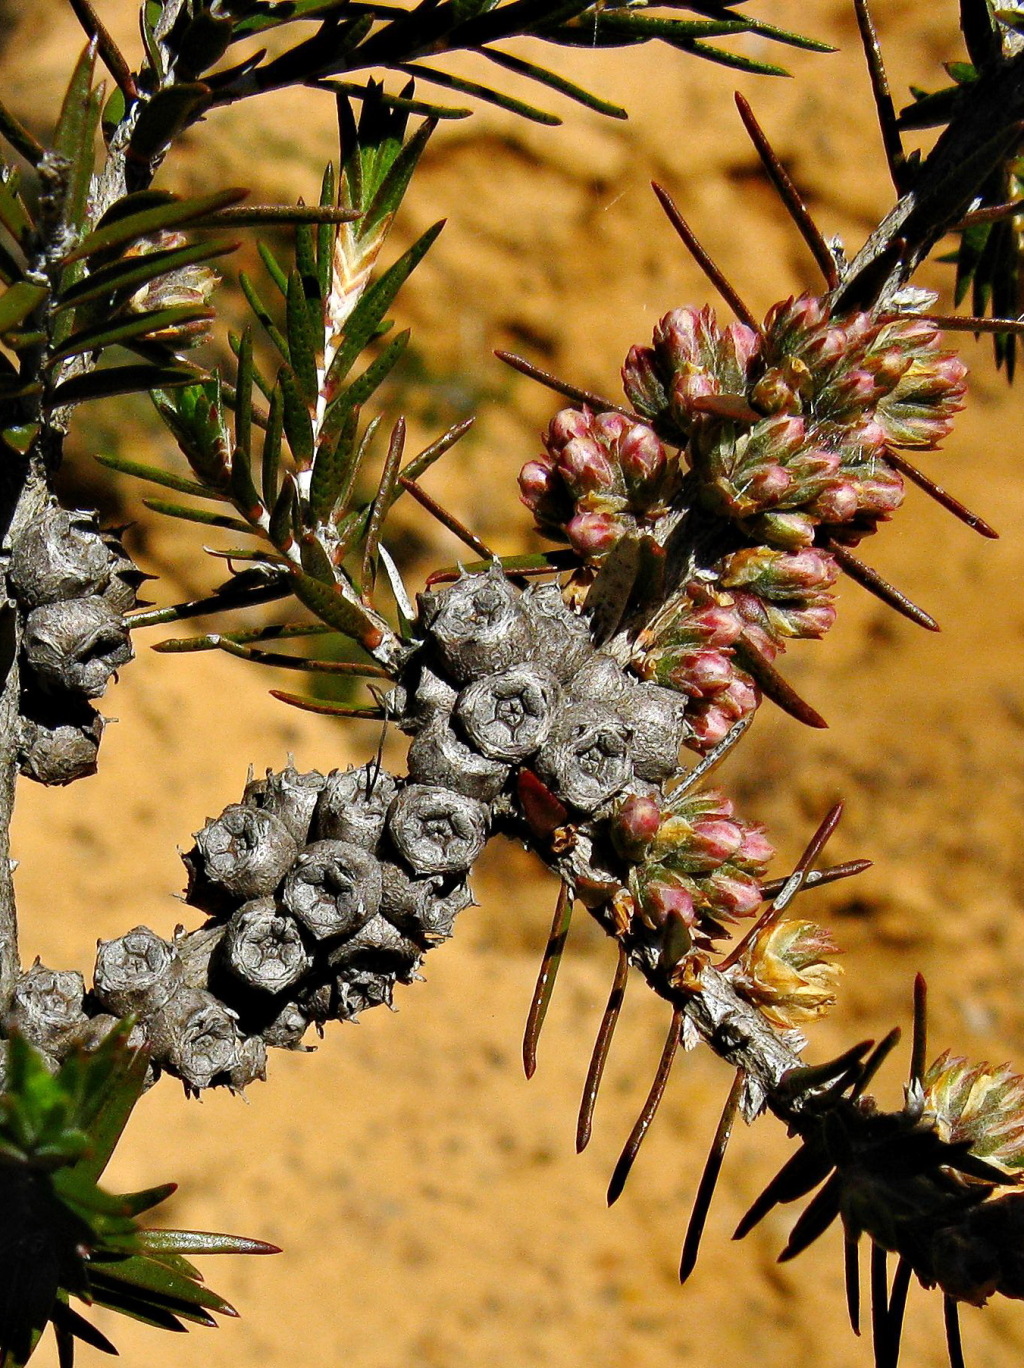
{"x":72,"y":584}
{"x":783,"y":436}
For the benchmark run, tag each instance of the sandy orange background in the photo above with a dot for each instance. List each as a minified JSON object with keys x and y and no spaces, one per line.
{"x":428,"y":1200}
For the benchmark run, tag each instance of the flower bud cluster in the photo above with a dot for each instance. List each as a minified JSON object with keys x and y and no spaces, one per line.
{"x":73,"y":585}
{"x":787,"y":430}
{"x":755,"y":601}
{"x":980,"y":1106}
{"x":601,"y":475}
{"x":696,"y":866}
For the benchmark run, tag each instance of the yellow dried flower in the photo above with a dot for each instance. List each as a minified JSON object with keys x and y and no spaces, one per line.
{"x":788,"y":972}
{"x":980,"y":1104}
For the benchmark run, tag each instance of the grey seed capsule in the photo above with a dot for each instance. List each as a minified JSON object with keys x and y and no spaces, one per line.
{"x":285,"y":1032}
{"x":75,"y":646}
{"x":333,"y":888}
{"x":587,"y":759}
{"x":47,"y":1006}
{"x":58,"y":739}
{"x":508,"y":716}
{"x":600,"y":680}
{"x":357,"y":990}
{"x":477,"y":625}
{"x":251,"y":1066}
{"x":137,"y":973}
{"x":438,"y":756}
{"x":383,"y":942}
{"x":404,"y":900}
{"x":657,"y":719}
{"x":196,"y":1037}
{"x":263,"y":948}
{"x":437,"y":831}
{"x":59,"y":555}
{"x":433,"y":695}
{"x":354,"y":805}
{"x":290,"y":796}
{"x":438,"y":919}
{"x":122,"y":588}
{"x":317,"y":1003}
{"x":561,"y":637}
{"x":244,"y":851}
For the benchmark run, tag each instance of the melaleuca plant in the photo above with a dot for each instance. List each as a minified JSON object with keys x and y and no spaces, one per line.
{"x":702,"y":525}
{"x":66,"y":1237}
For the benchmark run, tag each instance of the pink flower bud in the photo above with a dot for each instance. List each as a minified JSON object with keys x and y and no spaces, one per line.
{"x":664,"y":897}
{"x":735,"y":895}
{"x":566,"y":425}
{"x":755,"y":849}
{"x":768,"y":486}
{"x":536,"y":482}
{"x":641,"y":455}
{"x":787,"y":530}
{"x":594,"y":534}
{"x":585,"y":467}
{"x":716,"y":840}
{"x":635,"y":826}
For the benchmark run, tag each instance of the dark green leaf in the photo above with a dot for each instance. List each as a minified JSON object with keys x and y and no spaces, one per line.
{"x":263,"y":314}
{"x":17,"y":302}
{"x":68,"y":1319}
{"x":149,"y":1276}
{"x":735,"y":62}
{"x":198,"y":515}
{"x":298,"y":426}
{"x":425,"y":107}
{"x":235,"y":594}
{"x":390,"y":192}
{"x":283,"y":515}
{"x":315,"y":705}
{"x":243,"y":491}
{"x":274,"y":269}
{"x":360,"y":390}
{"x":129,"y":274}
{"x":481,"y":92}
{"x":340,"y":612}
{"x":243,"y":395}
{"x":195,"y":415}
{"x":559,"y":83}
{"x":271,"y":460}
{"x":75,"y":135}
{"x":129,"y":328}
{"x":302,"y":347}
{"x":165,"y":115}
{"x":13,"y":214}
{"x":331,"y":472}
{"x":325,"y":234}
{"x":101,"y":384}
{"x":175,"y":213}
{"x":19,"y":137}
{"x":214,"y":642}
{"x":165,"y":478}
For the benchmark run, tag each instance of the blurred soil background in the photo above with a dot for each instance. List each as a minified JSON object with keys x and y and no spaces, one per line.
{"x":429,"y":1203}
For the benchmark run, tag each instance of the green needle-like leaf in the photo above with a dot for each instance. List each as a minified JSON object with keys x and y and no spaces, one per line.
{"x":198,"y":515}
{"x":337,"y":610}
{"x":75,"y":135}
{"x":128,"y":274}
{"x":129,"y":328}
{"x":102,"y":384}
{"x":17,"y":302}
{"x":173,"y":214}
{"x":302,"y":344}
{"x":480,"y":92}
{"x":298,"y":425}
{"x":263,"y":314}
{"x":554,"y":81}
